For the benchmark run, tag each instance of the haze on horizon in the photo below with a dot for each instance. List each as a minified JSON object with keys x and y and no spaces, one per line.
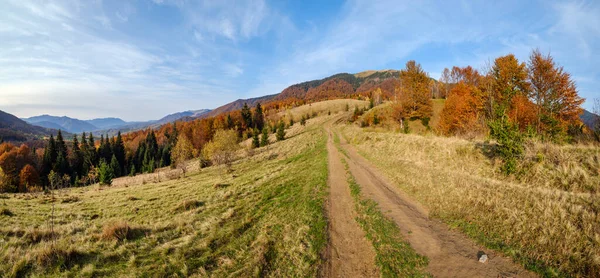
{"x":141,"y":60}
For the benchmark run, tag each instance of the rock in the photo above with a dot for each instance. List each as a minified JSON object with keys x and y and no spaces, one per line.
{"x":483,"y":258}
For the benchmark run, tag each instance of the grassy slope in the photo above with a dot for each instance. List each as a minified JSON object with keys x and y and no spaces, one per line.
{"x":265,"y":219}
{"x":550,"y":227}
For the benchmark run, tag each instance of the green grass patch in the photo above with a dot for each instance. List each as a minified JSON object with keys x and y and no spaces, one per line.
{"x":394,"y":256}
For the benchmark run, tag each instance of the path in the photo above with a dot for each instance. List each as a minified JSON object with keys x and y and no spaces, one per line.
{"x":349,"y":253}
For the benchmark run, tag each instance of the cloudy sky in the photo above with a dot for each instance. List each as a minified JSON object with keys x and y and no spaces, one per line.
{"x":141,"y":60}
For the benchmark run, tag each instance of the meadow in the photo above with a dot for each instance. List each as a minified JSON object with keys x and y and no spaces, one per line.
{"x":264,"y":218}
{"x":545,"y":217}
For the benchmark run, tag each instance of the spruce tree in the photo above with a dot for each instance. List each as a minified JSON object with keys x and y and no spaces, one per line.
{"x":281,"y":131}
{"x":255,"y":141}
{"x":119,"y":152}
{"x":48,"y":159}
{"x":114,"y":165}
{"x":76,"y":158}
{"x":246,"y":116}
{"x":258,"y":117}
{"x":92,"y":150}
{"x":264,"y":139}
{"x":105,"y":173}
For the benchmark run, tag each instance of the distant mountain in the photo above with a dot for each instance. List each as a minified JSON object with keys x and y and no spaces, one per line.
{"x":106,"y":123}
{"x":176,"y":116}
{"x":108,"y":126}
{"x":15,"y":129}
{"x":589,"y":119}
{"x":65,"y":123}
{"x":48,"y":124}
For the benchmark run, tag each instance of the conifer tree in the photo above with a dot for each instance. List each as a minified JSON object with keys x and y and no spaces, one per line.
{"x":258,"y":117}
{"x":105,"y":173}
{"x":49,"y":158}
{"x":281,"y":131}
{"x":264,"y":139}
{"x":119,"y":152}
{"x":114,"y":165}
{"x":255,"y":141}
{"x":92,"y":151}
{"x":76,"y":158}
{"x":246,"y":117}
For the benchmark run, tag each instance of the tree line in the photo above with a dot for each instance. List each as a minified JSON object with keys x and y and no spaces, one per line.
{"x":84,"y":161}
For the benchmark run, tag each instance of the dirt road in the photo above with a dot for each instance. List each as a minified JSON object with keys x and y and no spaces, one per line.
{"x":349,"y":253}
{"x":450,"y":253}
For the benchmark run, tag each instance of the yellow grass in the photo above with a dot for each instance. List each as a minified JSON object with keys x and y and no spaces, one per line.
{"x":538,"y":219}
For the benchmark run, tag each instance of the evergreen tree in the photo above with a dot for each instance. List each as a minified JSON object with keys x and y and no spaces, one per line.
{"x":76,"y":158}
{"x":229,"y":124}
{"x":258,"y":117}
{"x":264,"y":139}
{"x":132,"y":171}
{"x":303,"y":120}
{"x":115,"y":166}
{"x":246,"y":117}
{"x":281,"y":131}
{"x":92,"y":150}
{"x":105,"y":173}
{"x":49,"y":158}
{"x":255,"y":141}
{"x":119,"y":152}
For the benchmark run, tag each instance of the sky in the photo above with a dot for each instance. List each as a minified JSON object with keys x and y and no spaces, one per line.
{"x":141,"y":60}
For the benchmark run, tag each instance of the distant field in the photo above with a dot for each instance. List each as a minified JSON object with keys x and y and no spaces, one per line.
{"x":264,"y":219}
{"x":548,"y":219}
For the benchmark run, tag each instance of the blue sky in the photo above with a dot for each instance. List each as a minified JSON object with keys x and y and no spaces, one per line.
{"x":141,"y":60}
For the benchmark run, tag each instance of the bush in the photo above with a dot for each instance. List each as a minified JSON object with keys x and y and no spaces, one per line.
{"x":510,"y":143}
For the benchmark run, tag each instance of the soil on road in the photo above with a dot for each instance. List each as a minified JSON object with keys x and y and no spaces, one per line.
{"x":349,"y":253}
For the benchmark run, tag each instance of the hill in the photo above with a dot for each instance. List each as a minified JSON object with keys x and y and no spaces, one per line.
{"x":15,"y":129}
{"x":336,"y":86}
{"x":589,"y":119}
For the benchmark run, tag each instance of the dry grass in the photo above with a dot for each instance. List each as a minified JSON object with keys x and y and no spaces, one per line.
{"x":120,"y":231}
{"x":546,"y":219}
{"x":268,"y":221}
{"x":189,"y":205}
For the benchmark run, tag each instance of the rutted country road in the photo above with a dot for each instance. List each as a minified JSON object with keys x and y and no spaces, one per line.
{"x":450,"y":253}
{"x":349,"y":253}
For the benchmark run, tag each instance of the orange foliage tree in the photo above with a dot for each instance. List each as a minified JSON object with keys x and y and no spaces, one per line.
{"x":462,"y":111}
{"x":413,"y":98}
{"x":28,"y":177}
{"x":554,"y":93}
